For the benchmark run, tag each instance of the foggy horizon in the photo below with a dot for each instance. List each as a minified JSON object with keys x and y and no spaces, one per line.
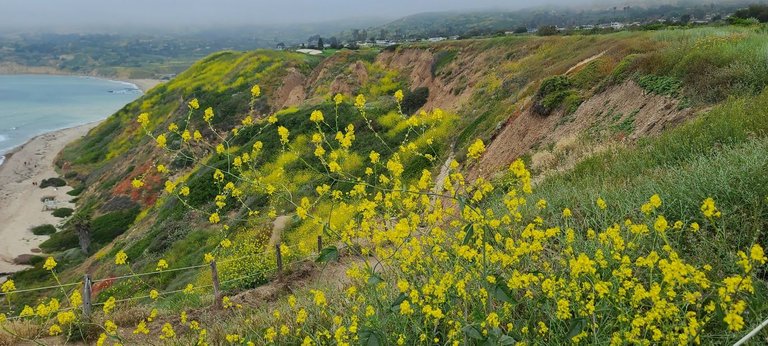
{"x":200,"y":15}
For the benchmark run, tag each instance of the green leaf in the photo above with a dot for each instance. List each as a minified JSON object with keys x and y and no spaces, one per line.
{"x":470,"y":233}
{"x":472,"y":332}
{"x":371,"y":337}
{"x":507,"y":340}
{"x":400,"y":299}
{"x":501,"y":291}
{"x":328,"y":254}
{"x":374,"y":279}
{"x":577,"y":325}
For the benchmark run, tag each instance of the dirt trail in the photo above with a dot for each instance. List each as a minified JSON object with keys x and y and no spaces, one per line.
{"x":586,"y":61}
{"x":444,"y":171}
{"x":278,"y":226}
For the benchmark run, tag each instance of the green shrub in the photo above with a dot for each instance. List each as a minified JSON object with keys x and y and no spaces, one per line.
{"x":47,"y":229}
{"x":660,"y":85}
{"x":63,"y":212}
{"x":61,"y":241}
{"x":415,"y":99}
{"x":109,"y":226}
{"x":551,"y":94}
{"x":77,"y":191}
{"x":55,"y":182}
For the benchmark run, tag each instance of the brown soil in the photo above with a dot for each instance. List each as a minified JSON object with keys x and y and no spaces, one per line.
{"x":600,"y":117}
{"x":292,"y":92}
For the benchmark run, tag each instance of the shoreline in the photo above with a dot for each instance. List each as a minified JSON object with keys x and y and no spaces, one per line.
{"x":143,"y":84}
{"x":21,"y":206}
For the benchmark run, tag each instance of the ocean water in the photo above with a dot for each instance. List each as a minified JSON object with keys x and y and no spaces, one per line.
{"x":31,"y":105}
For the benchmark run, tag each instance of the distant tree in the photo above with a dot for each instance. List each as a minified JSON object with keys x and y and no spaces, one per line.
{"x":685,"y":19}
{"x":82,"y":224}
{"x":547,"y":30}
{"x":334,"y":42}
{"x":759,"y":12}
{"x":355,"y":35}
{"x":520,"y":30}
{"x":320,"y":44}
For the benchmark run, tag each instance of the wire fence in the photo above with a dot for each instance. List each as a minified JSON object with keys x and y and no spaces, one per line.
{"x":216,"y":283}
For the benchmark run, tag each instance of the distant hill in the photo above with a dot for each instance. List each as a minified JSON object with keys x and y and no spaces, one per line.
{"x":492,"y":21}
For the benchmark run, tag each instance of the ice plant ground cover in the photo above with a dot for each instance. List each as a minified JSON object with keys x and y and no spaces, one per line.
{"x":436,"y":261}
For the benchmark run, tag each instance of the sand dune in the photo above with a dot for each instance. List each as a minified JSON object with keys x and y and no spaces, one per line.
{"x":20,"y":201}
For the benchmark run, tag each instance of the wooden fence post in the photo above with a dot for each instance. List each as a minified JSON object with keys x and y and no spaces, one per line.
{"x":319,"y":243}
{"x":217,"y":297}
{"x":87,"y":297}
{"x":279,"y":260}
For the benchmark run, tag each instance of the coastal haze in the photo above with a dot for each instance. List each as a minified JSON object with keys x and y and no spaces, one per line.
{"x":78,"y":15}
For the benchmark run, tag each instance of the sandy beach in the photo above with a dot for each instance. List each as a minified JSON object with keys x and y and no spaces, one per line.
{"x":20,"y":201}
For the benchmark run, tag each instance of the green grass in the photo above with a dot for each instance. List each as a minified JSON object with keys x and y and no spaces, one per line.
{"x":719,"y":155}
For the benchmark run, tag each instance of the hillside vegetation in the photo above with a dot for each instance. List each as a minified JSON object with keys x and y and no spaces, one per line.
{"x":605,"y":189}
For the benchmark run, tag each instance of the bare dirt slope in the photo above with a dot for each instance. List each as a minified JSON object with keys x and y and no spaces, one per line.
{"x":623,"y":112}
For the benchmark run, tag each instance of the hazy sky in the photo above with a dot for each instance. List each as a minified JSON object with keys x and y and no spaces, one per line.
{"x":40,"y":15}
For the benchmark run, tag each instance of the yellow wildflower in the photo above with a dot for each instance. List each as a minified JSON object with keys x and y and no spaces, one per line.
{"x":143,"y":119}
{"x":255,"y":90}
{"x":109,"y":305}
{"x":476,"y":149}
{"x":50,"y":263}
{"x":8,"y":286}
{"x":121,"y":258}
{"x":399,"y":96}
{"x":141,"y":328}
{"x":161,"y":141}
{"x":757,"y":254}
{"x":601,"y":203}
{"x":54,"y":330}
{"x":661,"y":224}
{"x":283,"y":133}
{"x":708,"y":208}
{"x":161,"y":265}
{"x":167,"y":332}
{"x":360,"y":101}
{"x":316,"y":116}
{"x":193,"y":104}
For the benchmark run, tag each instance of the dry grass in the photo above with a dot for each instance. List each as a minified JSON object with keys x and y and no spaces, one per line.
{"x":543,"y":160}
{"x":21,"y":330}
{"x":130,"y":316}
